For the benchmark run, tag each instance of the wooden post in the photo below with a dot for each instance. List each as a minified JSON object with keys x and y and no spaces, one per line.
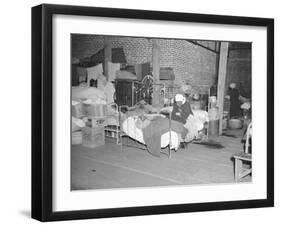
{"x":221,"y":81}
{"x":156,"y":73}
{"x":107,"y":56}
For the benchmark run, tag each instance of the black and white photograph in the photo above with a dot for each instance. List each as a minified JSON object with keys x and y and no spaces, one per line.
{"x":158,"y":112}
{"x":140,"y":112}
{"x":149,"y":112}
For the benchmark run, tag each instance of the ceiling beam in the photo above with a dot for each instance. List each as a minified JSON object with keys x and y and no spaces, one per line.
{"x":205,"y":47}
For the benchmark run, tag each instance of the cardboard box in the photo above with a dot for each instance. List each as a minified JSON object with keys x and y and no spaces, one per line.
{"x":94,"y":110}
{"x":76,"y":137}
{"x":93,"y":137}
{"x":97,"y":122}
{"x":77,"y":110}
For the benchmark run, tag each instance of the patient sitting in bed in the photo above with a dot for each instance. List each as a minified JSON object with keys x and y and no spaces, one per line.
{"x":181,"y":109}
{"x":182,"y":113}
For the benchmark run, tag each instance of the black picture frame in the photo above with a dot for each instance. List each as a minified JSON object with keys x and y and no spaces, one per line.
{"x":42,"y":107}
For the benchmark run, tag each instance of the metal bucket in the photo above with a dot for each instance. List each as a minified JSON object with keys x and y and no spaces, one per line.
{"x":235,"y":124}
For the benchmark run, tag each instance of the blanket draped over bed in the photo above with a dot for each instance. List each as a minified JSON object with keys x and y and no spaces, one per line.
{"x":153,"y":132}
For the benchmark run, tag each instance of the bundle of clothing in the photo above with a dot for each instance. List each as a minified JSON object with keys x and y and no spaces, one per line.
{"x":91,"y":94}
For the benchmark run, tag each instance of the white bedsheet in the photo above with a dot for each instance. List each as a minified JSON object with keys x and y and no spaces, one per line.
{"x":130,"y":128}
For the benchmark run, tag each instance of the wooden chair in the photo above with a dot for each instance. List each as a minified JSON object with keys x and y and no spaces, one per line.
{"x":241,"y":157}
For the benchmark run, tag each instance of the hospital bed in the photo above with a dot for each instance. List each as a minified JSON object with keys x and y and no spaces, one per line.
{"x":119,"y":125}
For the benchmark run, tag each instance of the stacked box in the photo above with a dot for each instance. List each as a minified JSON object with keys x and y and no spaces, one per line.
{"x":98,"y":122}
{"x":76,"y":137}
{"x":94,"y":110}
{"x":77,"y":110}
{"x":93,"y":137}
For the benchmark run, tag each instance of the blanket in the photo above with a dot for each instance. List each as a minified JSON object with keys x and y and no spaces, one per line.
{"x":153,"y":132}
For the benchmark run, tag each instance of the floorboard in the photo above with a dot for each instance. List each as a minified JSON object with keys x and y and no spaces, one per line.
{"x":110,"y":166}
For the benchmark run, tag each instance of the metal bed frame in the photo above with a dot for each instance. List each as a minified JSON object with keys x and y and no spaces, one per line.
{"x":119,"y":133}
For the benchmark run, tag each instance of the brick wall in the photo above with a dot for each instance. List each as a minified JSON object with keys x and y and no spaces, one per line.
{"x":191,"y":63}
{"x":195,"y":65}
{"x":137,"y":50}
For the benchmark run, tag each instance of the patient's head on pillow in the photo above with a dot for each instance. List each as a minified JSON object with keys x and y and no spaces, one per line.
{"x":142,"y":122}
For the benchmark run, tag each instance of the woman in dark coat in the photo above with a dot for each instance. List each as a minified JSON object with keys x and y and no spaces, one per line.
{"x":234,"y":110}
{"x":181,"y":112}
{"x":181,"y":109}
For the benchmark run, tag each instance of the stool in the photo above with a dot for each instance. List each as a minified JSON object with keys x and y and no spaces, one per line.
{"x":239,"y":171}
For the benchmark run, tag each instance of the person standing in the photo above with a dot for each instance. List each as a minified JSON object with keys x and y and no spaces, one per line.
{"x":233,"y":92}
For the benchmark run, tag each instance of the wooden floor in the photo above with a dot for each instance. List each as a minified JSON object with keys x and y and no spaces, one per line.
{"x":110,"y":166}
